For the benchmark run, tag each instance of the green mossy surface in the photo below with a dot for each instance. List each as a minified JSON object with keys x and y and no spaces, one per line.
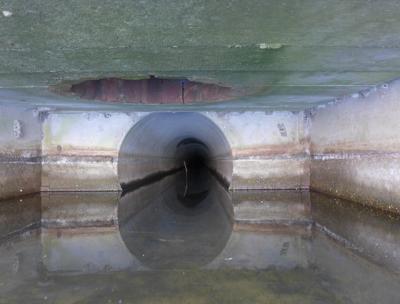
{"x":314,"y":49}
{"x":181,"y":286}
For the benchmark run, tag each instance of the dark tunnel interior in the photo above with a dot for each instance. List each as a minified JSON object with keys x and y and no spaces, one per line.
{"x":175,"y":209}
{"x":166,"y":143}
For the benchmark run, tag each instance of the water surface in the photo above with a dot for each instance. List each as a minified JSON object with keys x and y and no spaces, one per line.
{"x":183,"y":241}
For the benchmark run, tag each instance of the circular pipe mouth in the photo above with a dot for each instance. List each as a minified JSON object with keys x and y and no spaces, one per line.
{"x":174,"y":211}
{"x":164,"y":143}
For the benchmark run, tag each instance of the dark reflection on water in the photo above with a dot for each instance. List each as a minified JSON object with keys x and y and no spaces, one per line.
{"x":184,"y":240}
{"x":184,"y":220}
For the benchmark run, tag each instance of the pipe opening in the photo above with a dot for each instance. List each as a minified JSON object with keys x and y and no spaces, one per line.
{"x":165,"y":143}
{"x":185,"y":217}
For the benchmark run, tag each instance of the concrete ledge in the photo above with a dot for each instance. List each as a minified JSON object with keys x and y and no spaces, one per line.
{"x":69,"y":210}
{"x":289,"y":173}
{"x":372,"y":181}
{"x":283,"y":207}
{"x":80,"y":174}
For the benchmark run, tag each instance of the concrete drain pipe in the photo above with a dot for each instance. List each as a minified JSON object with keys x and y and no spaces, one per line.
{"x":163,"y":143}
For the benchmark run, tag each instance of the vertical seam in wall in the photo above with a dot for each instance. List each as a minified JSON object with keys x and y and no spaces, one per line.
{"x":307,"y":145}
{"x":300,"y":184}
{"x":43,"y":179}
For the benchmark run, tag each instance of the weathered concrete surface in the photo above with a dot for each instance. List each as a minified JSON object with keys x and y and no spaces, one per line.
{"x":269,"y":149}
{"x":353,"y":277}
{"x":368,"y":180}
{"x":21,"y":257}
{"x":274,"y":173}
{"x":20,"y":150}
{"x":295,"y":54}
{"x":369,"y":232}
{"x":19,"y":214}
{"x":355,"y":147}
{"x":276,"y":208}
{"x":80,"y":150}
{"x":83,"y":209}
{"x":150,"y":91}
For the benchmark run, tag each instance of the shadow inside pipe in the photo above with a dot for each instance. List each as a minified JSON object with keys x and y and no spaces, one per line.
{"x":162,"y":143}
{"x":149,"y":179}
{"x":182,"y":221}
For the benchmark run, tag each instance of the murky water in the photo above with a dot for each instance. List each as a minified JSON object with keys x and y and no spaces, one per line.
{"x":181,"y":240}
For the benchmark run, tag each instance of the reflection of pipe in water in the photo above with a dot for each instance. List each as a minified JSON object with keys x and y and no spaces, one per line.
{"x":186,"y":177}
{"x":176,"y":223}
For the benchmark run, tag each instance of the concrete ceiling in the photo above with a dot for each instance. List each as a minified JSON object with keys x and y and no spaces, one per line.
{"x":290,"y":54}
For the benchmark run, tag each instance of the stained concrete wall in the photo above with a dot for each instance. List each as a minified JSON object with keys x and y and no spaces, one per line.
{"x":80,"y":149}
{"x":367,"y":231}
{"x":353,"y":142}
{"x":20,"y":146}
{"x":19,"y":214}
{"x":355,"y":147}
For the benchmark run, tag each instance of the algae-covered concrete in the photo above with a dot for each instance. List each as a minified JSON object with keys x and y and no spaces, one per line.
{"x":292,"y":54}
{"x":286,"y":57}
{"x":366,"y":230}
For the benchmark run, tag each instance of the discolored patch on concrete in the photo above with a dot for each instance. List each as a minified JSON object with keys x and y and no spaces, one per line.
{"x":152,"y":90}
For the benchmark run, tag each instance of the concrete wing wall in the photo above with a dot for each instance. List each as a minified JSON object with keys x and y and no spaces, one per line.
{"x":270,"y":150}
{"x":20,"y":146}
{"x":355,"y":147}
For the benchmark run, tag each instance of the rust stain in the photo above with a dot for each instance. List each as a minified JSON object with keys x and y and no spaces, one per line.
{"x":294,"y":228}
{"x":152,"y":91}
{"x":289,"y":149}
{"x":354,"y":147}
{"x":69,"y":151}
{"x":81,"y":231}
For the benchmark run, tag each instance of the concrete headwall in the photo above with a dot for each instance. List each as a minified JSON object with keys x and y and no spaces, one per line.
{"x":20,"y":146}
{"x":80,"y":149}
{"x":355,"y":147}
